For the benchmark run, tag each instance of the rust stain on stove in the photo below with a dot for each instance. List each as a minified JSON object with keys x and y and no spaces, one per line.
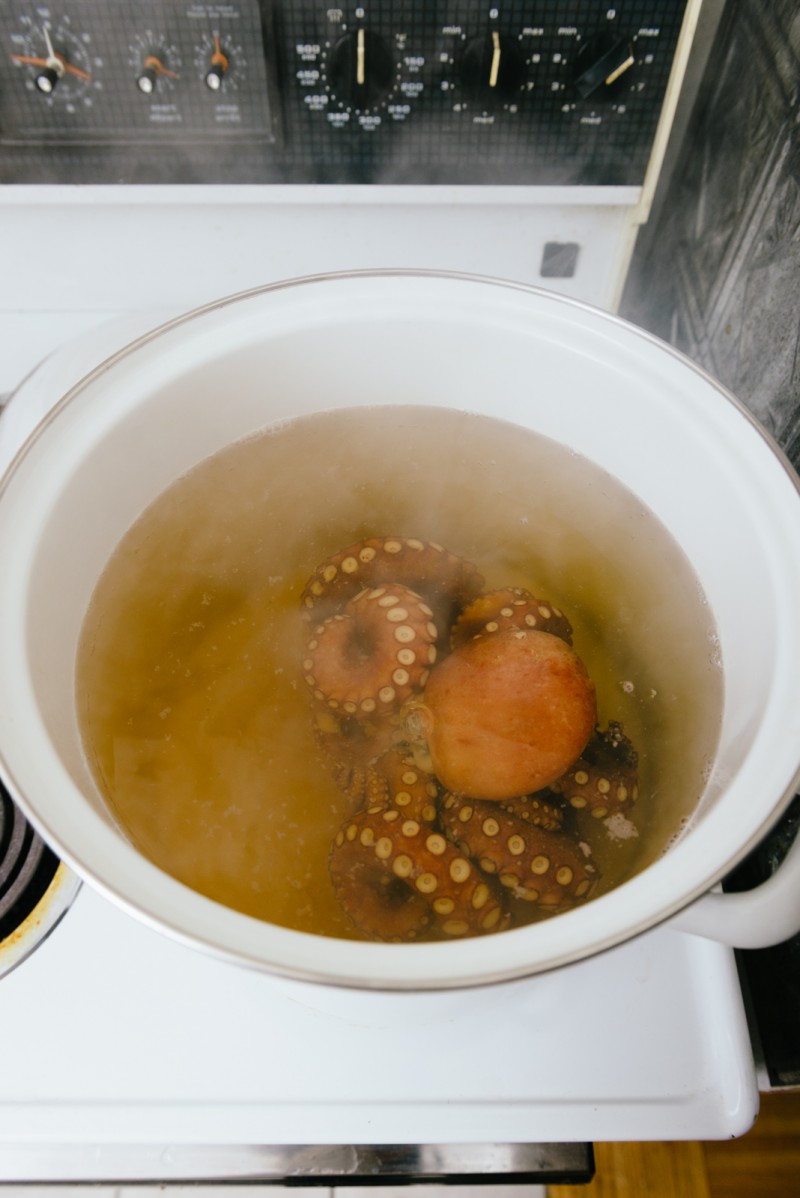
{"x":19,"y":943}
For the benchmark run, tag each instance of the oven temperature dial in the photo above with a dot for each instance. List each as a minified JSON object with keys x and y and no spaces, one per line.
{"x":361,"y":70}
{"x":359,"y":77}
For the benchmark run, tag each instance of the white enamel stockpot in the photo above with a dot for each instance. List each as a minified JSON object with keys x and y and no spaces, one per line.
{"x":616,"y":395}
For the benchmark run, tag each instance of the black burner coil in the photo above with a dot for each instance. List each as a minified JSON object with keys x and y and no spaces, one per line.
{"x":27,"y":866}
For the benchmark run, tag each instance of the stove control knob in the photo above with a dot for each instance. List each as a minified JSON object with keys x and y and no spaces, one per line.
{"x":219,"y":65}
{"x":50,"y":69}
{"x":599,"y":63}
{"x":492,"y":69}
{"x":147,"y":80}
{"x":361,"y":69}
{"x":46,"y":80}
{"x":154,"y":69}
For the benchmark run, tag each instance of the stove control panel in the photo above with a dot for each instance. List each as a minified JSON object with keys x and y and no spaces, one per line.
{"x":88,"y":71}
{"x":393,"y":91}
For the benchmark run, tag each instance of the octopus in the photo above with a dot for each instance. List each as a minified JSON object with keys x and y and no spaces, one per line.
{"x":507,"y":714}
{"x":604,"y":780}
{"x":462,"y":727}
{"x":395,"y":872}
{"x":374,"y":654}
{"x":447,"y":582}
{"x":511,"y":607}
{"x":536,"y":865}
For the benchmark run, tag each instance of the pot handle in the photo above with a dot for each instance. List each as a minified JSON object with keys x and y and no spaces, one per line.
{"x":758,"y":918}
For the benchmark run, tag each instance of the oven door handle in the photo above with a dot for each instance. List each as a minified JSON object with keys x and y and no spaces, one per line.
{"x":758,"y":918}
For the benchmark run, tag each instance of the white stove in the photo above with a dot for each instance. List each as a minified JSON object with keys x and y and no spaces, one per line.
{"x":131,"y":1056}
{"x":127,"y":1056}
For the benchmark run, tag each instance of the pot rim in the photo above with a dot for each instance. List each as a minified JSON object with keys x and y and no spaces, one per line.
{"x":403,"y":967}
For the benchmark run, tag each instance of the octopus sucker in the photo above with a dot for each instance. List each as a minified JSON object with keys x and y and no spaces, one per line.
{"x":510,"y":607}
{"x":605,"y":778}
{"x":548,"y":869}
{"x":352,"y":657}
{"x":447,"y":582}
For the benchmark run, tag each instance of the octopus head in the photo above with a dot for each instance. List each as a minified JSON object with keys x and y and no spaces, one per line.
{"x":506,"y":714}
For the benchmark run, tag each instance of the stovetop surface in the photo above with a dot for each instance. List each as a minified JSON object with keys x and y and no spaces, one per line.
{"x":118,"y":1035}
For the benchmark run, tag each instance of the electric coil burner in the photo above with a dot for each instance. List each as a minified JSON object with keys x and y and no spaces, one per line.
{"x":35,"y":889}
{"x":27,"y":867}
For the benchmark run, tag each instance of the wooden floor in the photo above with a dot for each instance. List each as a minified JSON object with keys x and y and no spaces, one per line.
{"x":763,"y":1164}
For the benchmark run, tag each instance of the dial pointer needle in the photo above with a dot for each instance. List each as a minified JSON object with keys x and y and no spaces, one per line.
{"x":53,"y":61}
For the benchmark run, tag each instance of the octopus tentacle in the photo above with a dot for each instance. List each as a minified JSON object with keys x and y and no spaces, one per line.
{"x":395,"y":780}
{"x":510,"y":607}
{"x":537,"y":810}
{"x":394,"y":879}
{"x":604,"y":780}
{"x":350,"y":747}
{"x":549,"y":869}
{"x":445,"y":580}
{"x":375,"y":654}
{"x":395,"y":874}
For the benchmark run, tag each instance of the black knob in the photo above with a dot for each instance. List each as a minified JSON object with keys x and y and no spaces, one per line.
{"x":146,"y":81}
{"x":218,"y":68}
{"x":492,"y":69}
{"x":600,"y":63}
{"x":361,"y":69}
{"x":46,"y":81}
{"x":215,"y":76}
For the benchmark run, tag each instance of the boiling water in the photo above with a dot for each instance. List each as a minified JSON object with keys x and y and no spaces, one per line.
{"x":193,"y":710}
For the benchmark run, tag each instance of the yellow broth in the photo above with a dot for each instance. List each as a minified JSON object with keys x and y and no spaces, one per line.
{"x":193,"y":710}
